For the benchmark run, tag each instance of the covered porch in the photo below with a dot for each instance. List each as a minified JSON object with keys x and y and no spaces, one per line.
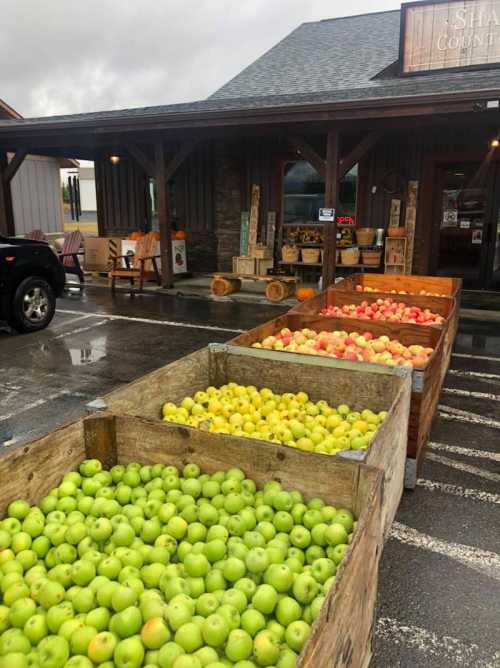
{"x":192,"y":166}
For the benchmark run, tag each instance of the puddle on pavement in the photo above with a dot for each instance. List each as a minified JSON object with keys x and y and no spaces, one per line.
{"x":88,"y":353}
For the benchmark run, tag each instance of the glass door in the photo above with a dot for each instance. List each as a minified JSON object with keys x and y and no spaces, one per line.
{"x":465,"y":196}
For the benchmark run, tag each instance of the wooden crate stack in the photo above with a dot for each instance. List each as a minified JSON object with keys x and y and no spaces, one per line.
{"x":254,"y":258}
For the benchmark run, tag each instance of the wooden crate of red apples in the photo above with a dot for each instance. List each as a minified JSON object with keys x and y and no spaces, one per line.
{"x":387,"y":309}
{"x":356,"y":346}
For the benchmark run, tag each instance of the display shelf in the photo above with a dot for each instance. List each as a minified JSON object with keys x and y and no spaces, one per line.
{"x":303,"y":224}
{"x":302,"y":264}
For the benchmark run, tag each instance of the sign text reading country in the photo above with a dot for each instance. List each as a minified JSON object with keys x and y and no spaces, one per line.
{"x":451,"y":35}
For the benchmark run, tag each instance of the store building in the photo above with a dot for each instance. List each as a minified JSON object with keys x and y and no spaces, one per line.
{"x":390,"y":116}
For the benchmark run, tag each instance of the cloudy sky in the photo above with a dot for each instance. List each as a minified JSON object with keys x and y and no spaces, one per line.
{"x":63,"y":57}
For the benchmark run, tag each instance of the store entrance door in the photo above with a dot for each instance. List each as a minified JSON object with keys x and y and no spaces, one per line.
{"x":467,"y":215}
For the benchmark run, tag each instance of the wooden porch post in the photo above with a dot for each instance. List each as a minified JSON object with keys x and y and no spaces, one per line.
{"x":331,"y":202}
{"x":163,"y":216}
{"x":6,"y":213}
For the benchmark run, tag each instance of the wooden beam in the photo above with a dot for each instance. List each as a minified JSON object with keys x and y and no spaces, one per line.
{"x":6,"y":212}
{"x":163,"y":216}
{"x":308,"y":153}
{"x":331,"y":201}
{"x":177,"y":160}
{"x":361,"y":149}
{"x":141,"y":158}
{"x":14,"y":164}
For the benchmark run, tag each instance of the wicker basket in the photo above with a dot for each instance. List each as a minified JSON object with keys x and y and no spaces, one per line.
{"x":365,"y":236}
{"x":371,"y":257}
{"x":310,"y":255}
{"x":290,"y":254}
{"x":350,"y":256}
{"x":398,"y":232}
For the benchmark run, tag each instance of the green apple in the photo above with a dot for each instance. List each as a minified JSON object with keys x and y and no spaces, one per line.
{"x":58,"y":614}
{"x":129,"y":653}
{"x":296,"y":635}
{"x":230,"y":614}
{"x":53,"y":652}
{"x":127,"y":622}
{"x":81,"y":638}
{"x":155,"y":633}
{"x":239,"y":645}
{"x":305,"y":588}
{"x":215,"y":630}
{"x":123,"y":597}
{"x":252,"y":621}
{"x":189,"y":637}
{"x":36,"y":628}
{"x":101,"y":647}
{"x":168,"y":654}
{"x":266,"y":648}
{"x":20,"y":612}
{"x":336,"y":534}
{"x":265,"y":599}
{"x":288,"y":610}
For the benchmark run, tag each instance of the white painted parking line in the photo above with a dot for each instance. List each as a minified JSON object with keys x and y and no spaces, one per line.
{"x":466,"y":417}
{"x":40,"y":402}
{"x":456,"y":490}
{"x":455,"y":391}
{"x":485,"y":358}
{"x":474,"y":374}
{"x":151,"y":321}
{"x":465,"y":468}
{"x":440,"y":648}
{"x":65,"y":323}
{"x":482,"y":561}
{"x":468,"y":452}
{"x":79,"y":330}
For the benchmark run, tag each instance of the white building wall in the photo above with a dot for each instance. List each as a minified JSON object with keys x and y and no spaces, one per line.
{"x":88,"y":198}
{"x":36,"y":195}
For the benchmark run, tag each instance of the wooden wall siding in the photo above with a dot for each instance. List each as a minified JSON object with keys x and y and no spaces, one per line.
{"x":36,"y":196}
{"x":194,"y":208}
{"x":405,"y":156}
{"x":121,"y":197}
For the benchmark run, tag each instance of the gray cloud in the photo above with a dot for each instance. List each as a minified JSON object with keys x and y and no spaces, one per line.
{"x":86,"y":55}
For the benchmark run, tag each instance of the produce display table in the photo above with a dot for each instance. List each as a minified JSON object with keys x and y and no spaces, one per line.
{"x":278,"y":288}
{"x":31,"y":472}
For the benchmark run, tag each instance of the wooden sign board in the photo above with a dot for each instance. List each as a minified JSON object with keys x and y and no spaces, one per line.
{"x":395,"y":213}
{"x":439,"y":35}
{"x":244,"y":224}
{"x":254,"y":215}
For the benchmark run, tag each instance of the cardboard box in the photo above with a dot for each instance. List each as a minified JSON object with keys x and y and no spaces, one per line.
{"x":99,"y":252}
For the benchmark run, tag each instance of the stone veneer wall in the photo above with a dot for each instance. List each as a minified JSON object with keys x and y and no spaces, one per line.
{"x":227,"y":203}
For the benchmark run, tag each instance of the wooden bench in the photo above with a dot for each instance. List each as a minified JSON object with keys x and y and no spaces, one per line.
{"x":278,"y":288}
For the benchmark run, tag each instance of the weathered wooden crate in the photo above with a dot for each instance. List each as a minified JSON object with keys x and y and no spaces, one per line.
{"x":342,"y":634}
{"x":441,"y":285}
{"x":360,"y":386}
{"x":339,"y":296}
{"x":426,"y":383}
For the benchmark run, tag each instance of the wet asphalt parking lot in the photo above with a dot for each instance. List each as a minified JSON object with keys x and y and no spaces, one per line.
{"x":439,"y":589}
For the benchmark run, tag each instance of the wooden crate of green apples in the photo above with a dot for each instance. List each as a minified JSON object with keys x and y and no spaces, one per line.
{"x":129,"y":543}
{"x":316,"y":405}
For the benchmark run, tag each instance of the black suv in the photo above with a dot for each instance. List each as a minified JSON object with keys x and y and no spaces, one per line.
{"x":31,"y":277}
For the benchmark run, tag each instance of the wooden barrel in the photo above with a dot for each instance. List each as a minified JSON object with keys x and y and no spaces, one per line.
{"x":277,"y":291}
{"x":221,"y":286}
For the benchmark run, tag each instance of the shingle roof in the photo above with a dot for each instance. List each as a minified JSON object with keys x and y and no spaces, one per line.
{"x":344,"y":58}
{"x":332,"y":61}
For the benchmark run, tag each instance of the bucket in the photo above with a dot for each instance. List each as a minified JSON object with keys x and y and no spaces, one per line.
{"x":371,"y":257}
{"x":310,"y":255}
{"x":290,"y":254}
{"x":365,"y":236}
{"x":350,"y":256}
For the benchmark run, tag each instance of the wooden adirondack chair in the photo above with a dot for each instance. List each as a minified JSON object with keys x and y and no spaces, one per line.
{"x":69,"y":255}
{"x":136,"y":264}
{"x":36,"y":235}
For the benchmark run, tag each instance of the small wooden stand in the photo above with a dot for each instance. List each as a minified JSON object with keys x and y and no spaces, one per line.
{"x":395,"y":255}
{"x":278,"y":287}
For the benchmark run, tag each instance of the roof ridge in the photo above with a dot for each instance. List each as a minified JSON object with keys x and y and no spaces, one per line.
{"x":353,"y":16}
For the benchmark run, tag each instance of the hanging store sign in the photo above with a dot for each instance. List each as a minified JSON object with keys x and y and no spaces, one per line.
{"x":441,"y":35}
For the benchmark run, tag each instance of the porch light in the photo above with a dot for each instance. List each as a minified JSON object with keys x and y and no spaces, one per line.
{"x":114,"y":159}
{"x":495,"y":143}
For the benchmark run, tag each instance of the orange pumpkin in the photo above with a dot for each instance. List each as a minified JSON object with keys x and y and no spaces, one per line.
{"x":155,"y":235}
{"x":180,"y":235}
{"x":304,"y":293}
{"x":134,"y":236}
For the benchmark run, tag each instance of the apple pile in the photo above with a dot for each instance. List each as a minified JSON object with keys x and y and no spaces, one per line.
{"x":423,"y":293}
{"x":348,"y":346}
{"x":149,"y":566}
{"x":289,"y":419}
{"x":387,"y":310}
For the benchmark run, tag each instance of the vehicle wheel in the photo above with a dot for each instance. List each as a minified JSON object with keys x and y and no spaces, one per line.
{"x":33,"y":306}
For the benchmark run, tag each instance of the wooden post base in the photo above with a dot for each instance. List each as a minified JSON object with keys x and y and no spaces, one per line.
{"x":277,"y":291}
